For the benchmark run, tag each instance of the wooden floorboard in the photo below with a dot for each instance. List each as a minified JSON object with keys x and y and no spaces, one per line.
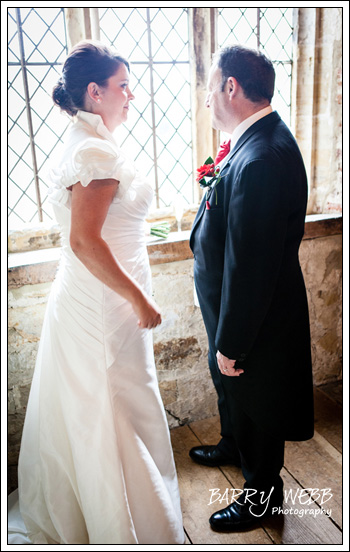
{"x":317,"y":464}
{"x":328,"y":416}
{"x":333,"y":390}
{"x":313,"y":464}
{"x":195,"y":482}
{"x":302,"y":527}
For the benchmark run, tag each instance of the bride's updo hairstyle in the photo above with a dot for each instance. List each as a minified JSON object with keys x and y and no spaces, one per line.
{"x":89,"y":61}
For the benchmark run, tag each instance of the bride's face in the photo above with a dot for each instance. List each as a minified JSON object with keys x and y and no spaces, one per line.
{"x":112,"y":102}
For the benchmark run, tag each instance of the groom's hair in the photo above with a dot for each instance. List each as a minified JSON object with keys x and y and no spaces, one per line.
{"x":252,"y":70}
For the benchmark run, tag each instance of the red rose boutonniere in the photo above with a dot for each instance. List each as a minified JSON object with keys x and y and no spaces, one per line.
{"x":208,"y":176}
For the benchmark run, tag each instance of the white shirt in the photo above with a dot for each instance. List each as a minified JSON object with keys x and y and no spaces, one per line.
{"x":244,"y":125}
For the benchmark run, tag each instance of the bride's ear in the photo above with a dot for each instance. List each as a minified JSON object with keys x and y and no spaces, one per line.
{"x":93,"y":92}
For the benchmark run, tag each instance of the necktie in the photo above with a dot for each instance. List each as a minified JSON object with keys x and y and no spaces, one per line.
{"x":224,"y":149}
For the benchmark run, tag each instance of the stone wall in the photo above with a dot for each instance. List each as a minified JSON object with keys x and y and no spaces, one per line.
{"x":180,"y":346}
{"x":317,"y":103}
{"x":321,"y":261}
{"x":180,"y":343}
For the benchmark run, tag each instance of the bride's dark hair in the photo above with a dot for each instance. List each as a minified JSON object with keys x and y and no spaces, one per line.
{"x":89,"y":61}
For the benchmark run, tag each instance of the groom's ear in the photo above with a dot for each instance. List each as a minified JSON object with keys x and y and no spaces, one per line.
{"x":232,"y":87}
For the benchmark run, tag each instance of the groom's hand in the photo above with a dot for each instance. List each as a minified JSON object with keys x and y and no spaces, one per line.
{"x":227,"y":366}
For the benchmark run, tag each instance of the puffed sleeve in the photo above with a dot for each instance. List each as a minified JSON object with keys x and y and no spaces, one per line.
{"x":94,"y":159}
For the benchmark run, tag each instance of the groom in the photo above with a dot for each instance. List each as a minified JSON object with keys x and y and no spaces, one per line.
{"x":245,"y":240}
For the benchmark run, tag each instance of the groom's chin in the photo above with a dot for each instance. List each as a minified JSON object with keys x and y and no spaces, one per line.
{"x":217,"y":126}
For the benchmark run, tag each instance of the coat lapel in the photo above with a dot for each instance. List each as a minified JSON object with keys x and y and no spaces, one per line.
{"x":256,"y":127}
{"x":199,"y":215}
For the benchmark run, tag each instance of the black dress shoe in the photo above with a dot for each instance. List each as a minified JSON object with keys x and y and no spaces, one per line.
{"x":241,"y":515}
{"x":210,"y":455}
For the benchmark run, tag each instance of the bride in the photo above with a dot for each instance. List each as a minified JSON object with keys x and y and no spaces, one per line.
{"x":96,"y":465}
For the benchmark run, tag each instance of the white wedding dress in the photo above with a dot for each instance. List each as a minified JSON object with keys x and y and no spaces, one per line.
{"x":96,"y":464}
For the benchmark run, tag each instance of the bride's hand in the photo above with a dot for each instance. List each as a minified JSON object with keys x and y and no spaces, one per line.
{"x":148,"y":313}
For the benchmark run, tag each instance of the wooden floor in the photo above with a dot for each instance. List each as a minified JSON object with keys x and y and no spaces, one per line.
{"x":315,"y":464}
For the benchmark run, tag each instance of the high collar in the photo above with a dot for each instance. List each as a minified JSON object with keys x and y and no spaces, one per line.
{"x":96,"y":122}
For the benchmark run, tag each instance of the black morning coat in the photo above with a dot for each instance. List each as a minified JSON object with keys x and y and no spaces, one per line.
{"x":249,"y":281}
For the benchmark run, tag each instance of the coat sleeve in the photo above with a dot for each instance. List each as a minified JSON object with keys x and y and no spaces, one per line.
{"x":254,"y":249}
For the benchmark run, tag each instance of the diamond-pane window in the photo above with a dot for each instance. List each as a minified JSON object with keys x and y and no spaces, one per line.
{"x":158,"y":131}
{"x":155,"y":41}
{"x":41,"y":31}
{"x":269,"y":30}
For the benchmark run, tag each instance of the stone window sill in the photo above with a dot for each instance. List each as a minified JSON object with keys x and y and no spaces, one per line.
{"x":34,"y":267}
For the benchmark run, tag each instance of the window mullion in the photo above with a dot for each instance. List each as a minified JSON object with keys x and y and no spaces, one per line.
{"x":29,"y":116}
{"x":150,"y":64}
{"x":258,"y":28}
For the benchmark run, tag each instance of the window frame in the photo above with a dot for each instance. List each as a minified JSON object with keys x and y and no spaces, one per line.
{"x":24,"y":64}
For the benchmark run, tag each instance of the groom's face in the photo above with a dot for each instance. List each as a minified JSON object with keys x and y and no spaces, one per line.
{"x":217,"y":100}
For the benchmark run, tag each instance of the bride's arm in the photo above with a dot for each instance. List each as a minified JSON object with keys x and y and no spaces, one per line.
{"x":89,"y":209}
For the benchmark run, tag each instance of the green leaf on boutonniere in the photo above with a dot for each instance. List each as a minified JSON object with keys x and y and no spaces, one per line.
{"x":209,"y":161}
